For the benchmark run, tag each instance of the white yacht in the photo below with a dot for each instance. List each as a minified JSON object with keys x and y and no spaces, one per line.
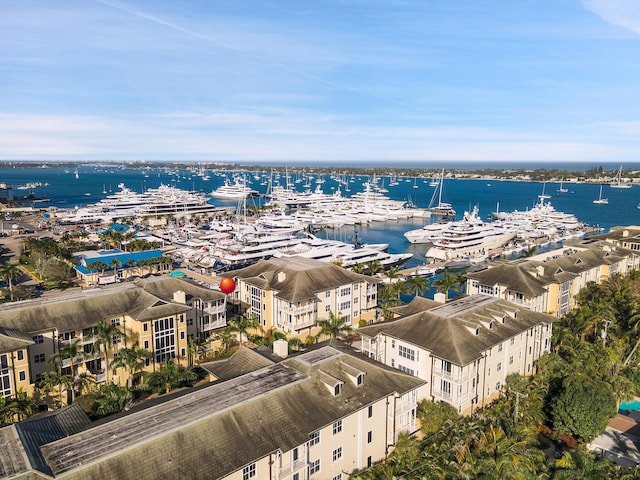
{"x":346,"y":254}
{"x":164,"y":200}
{"x":600,"y":200}
{"x":234,"y":191}
{"x":618,"y":182}
{"x":468,"y":237}
{"x":426,"y":234}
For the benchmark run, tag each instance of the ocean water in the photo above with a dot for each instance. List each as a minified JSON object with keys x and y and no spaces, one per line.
{"x":61,"y":188}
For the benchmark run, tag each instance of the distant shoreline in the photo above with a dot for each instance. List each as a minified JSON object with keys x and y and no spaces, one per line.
{"x":491,"y":171}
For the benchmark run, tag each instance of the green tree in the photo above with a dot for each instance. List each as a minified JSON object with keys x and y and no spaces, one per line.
{"x":170,"y":375}
{"x":105,"y":334}
{"x":583,"y":407}
{"x":242,"y":325}
{"x":131,"y":358}
{"x":417,"y":285}
{"x":71,"y":351}
{"x":435,"y":415}
{"x":8,"y":273}
{"x":112,"y":399}
{"x":448,"y":282}
{"x":334,"y":326}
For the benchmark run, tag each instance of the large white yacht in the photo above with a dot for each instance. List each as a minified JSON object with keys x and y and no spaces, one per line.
{"x":237,"y":190}
{"x":469,"y":237}
{"x":164,"y":200}
{"x":426,"y":234}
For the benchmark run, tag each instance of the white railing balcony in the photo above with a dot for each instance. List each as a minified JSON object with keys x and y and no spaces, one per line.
{"x":101,"y":377}
{"x":306,"y":324}
{"x":206,"y":327}
{"x":215,"y":309}
{"x":455,"y":375}
{"x":291,"y":468}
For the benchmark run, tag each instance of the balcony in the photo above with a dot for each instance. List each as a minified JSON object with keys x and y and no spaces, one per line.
{"x":206,"y":327}
{"x":455,"y":375}
{"x":290,"y":468}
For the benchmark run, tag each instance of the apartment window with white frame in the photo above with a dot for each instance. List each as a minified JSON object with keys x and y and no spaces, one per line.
{"x":337,"y":427}
{"x":337,"y":454}
{"x":337,"y":477}
{"x":249,"y":472}
{"x":327,"y":308}
{"x":39,"y":358}
{"x":164,"y":339}
{"x":407,"y":353}
{"x":38,"y":338}
{"x":5,"y":377}
{"x":445,"y":388}
{"x":345,"y":291}
{"x":327,"y":294}
{"x":314,"y":467}
{"x":315,"y":438}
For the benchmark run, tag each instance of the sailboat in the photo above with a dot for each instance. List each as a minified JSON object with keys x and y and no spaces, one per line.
{"x":77,"y":176}
{"x":561,"y":189}
{"x":544,"y":196}
{"x":441,"y":209}
{"x":600,"y":200}
{"x":618,"y":183}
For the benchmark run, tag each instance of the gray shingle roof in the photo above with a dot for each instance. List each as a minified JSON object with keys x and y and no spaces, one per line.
{"x":13,"y":340}
{"x":217,"y":430}
{"x":244,"y":360}
{"x":142,"y":300}
{"x":448,"y":331}
{"x":298,"y":278}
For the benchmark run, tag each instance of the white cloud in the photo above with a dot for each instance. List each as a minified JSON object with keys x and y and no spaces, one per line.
{"x":623,"y":13}
{"x":292,"y":138}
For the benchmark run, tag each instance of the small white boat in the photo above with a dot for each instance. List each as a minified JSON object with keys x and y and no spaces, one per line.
{"x":618,"y":183}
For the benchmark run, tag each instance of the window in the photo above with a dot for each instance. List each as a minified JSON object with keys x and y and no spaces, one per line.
{"x":296,"y":476}
{"x":355,"y":287}
{"x":345,"y":291}
{"x":369,"y":462}
{"x":513,"y":340}
{"x":369,"y":436}
{"x":145,"y":327}
{"x":327,"y":308}
{"x":20,"y":354}
{"x":22,"y":375}
{"x":511,"y":360}
{"x":404,"y":369}
{"x":315,"y":438}
{"x":337,"y":454}
{"x":360,"y":379}
{"x":38,"y":339}
{"x":337,"y":427}
{"x":337,"y":389}
{"x":345,"y":305}
{"x":393,"y":343}
{"x":146,"y":344}
{"x":489,"y":372}
{"x":498,"y":385}
{"x":249,"y":472}
{"x":314,"y":467}
{"x":39,"y":358}
{"x":181,"y":335}
{"x":327,"y":294}
{"x":445,"y":388}
{"x":499,"y":348}
{"x":189,"y":322}
{"x":407,"y":353}
{"x":164,"y":339}
{"x":499,"y":367}
{"x":5,"y":376}
{"x":370,"y":412}
{"x":337,"y":477}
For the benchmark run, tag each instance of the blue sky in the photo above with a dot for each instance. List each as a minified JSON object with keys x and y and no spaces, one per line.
{"x":326,"y":80}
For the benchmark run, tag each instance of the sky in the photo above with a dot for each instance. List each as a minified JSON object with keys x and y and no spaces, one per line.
{"x":351,"y":81}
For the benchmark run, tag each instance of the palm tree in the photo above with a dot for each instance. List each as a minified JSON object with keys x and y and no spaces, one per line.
{"x":170,"y":375}
{"x":447,"y":282}
{"x":112,"y":399}
{"x":9,"y":272}
{"x":55,"y":379}
{"x":69,"y":351}
{"x":105,"y":333}
{"x":417,"y":285}
{"x":22,"y":405}
{"x":226,"y":337}
{"x":131,"y":359}
{"x":334,"y":326}
{"x":241,"y":325}
{"x":115,"y":263}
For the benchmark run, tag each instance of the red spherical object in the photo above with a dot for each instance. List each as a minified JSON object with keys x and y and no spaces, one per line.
{"x":227,"y":285}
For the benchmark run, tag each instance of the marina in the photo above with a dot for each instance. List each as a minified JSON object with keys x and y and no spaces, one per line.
{"x":338,"y":210}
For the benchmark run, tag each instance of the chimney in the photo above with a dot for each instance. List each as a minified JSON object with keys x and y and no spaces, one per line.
{"x":281,"y":348}
{"x":625,"y":233}
{"x":282,"y":276}
{"x":540,"y":270}
{"x":439,"y":297}
{"x":180,"y":297}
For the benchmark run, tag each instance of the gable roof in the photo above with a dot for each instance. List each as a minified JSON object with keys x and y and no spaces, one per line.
{"x":448,"y":331}
{"x":142,"y":300}
{"x":298,"y":278}
{"x":11,"y":340}
{"x":214,"y":431}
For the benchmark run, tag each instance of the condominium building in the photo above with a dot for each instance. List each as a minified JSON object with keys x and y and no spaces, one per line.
{"x":464,"y":349}
{"x":549,"y":282}
{"x":318,"y":415}
{"x":293,"y":293}
{"x":160,"y":313}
